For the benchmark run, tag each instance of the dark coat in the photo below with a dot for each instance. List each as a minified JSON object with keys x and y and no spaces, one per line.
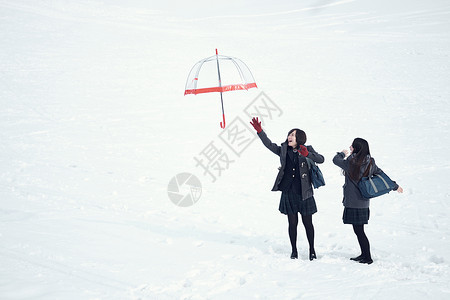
{"x":352,"y":195}
{"x":306,"y":187}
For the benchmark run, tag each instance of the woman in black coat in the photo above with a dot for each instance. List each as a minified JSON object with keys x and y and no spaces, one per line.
{"x":294,"y":183}
{"x":356,"y":207}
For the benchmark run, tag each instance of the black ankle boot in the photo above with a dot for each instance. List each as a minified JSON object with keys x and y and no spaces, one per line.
{"x":366,"y":261}
{"x":312,"y":255}
{"x":294,"y":254}
{"x":358,"y":258}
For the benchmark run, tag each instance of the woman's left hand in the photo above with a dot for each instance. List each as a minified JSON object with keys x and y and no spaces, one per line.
{"x":303,"y":151}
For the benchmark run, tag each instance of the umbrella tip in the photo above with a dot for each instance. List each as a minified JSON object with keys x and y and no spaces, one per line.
{"x":222,"y":124}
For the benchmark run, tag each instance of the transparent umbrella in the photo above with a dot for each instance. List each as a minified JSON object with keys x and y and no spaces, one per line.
{"x":238,"y":77}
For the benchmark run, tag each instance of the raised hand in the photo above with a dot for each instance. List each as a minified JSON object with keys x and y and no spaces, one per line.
{"x":256,"y":124}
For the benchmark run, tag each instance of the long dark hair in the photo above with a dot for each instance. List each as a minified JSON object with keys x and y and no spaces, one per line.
{"x":300,"y":136}
{"x":360,"y":152}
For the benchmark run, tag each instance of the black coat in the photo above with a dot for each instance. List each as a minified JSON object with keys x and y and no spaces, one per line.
{"x":306,"y":187}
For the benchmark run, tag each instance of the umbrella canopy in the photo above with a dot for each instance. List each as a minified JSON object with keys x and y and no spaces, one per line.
{"x":246,"y":80}
{"x":206,"y":77}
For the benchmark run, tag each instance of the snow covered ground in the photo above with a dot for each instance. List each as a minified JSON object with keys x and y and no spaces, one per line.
{"x":94,"y":126}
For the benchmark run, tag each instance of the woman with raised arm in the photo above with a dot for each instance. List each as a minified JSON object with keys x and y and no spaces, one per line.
{"x":293,"y":180}
{"x":356,"y":208}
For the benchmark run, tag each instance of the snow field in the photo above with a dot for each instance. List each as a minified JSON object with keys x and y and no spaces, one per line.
{"x":94,"y":125}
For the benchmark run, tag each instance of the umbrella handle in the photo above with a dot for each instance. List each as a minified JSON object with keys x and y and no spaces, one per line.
{"x":222,"y":125}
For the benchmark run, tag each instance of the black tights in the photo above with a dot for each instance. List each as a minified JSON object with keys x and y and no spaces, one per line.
{"x":309,"y":228}
{"x":362,"y":240}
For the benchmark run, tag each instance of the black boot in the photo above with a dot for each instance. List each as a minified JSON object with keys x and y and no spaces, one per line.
{"x":366,"y":260}
{"x":294,"y":254}
{"x":358,"y":258}
{"x":312,"y":255}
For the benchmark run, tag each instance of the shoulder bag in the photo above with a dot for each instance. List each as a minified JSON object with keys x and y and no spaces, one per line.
{"x":315,"y":174}
{"x":375,"y":185}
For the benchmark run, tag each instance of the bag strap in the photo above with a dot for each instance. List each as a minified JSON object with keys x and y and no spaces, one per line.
{"x":310,"y":162}
{"x":384,"y":181}
{"x":374,"y":186}
{"x":368,"y":169}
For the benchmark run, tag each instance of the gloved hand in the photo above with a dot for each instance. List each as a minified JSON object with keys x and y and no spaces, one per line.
{"x":303,"y":151}
{"x":256,"y":124}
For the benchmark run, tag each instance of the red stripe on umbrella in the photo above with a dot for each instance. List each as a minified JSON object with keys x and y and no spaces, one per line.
{"x":246,"y":78}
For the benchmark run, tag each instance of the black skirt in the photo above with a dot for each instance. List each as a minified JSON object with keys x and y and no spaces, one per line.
{"x":356,"y":216}
{"x":292,"y":203}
